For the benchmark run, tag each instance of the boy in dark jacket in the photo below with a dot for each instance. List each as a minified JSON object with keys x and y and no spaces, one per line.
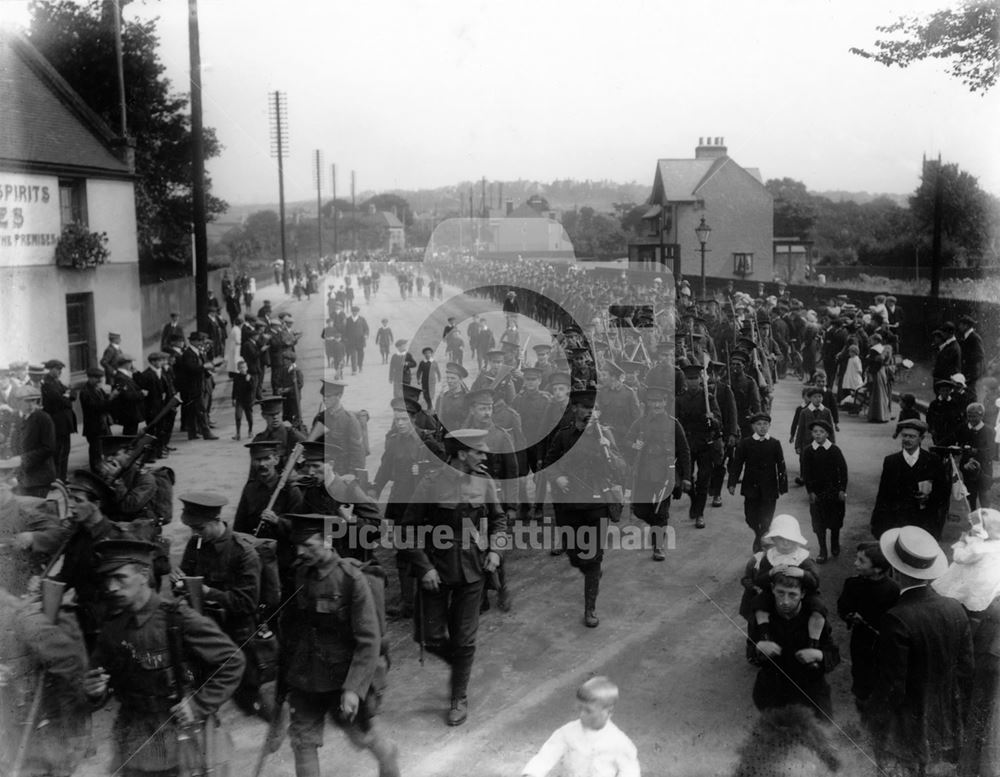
{"x":244,"y":393}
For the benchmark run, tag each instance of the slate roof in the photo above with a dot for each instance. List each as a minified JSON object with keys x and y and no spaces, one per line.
{"x":681,"y":178}
{"x":46,"y":126}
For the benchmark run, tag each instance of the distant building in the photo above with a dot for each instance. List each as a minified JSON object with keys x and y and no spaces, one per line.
{"x":530,"y":229}
{"x":732,"y":200}
{"x":396,"y":242}
{"x":60,"y":164}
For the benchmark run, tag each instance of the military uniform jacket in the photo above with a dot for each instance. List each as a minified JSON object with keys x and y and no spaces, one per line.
{"x":134,"y":649}
{"x":58,"y":406}
{"x":578,"y":454}
{"x":468,"y":508}
{"x":231,"y":568}
{"x":451,"y":409}
{"x":691,"y":414}
{"x":762,"y":465}
{"x":133,"y":495}
{"x":619,"y":408}
{"x":284,"y":435}
{"x":402,"y":451}
{"x":343,"y":430}
{"x":335,"y":639}
{"x":655,"y":462}
{"x":747,"y":397}
{"x":254,"y":499}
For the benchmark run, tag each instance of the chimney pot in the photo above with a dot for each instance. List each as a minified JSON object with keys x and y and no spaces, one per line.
{"x":701,"y":141}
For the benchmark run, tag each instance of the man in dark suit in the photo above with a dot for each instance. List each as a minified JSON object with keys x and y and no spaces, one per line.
{"x":156,"y":383}
{"x":110,"y":356}
{"x":38,"y":445}
{"x":925,"y":662}
{"x":57,"y":401}
{"x":127,"y":405}
{"x":947,"y":352}
{"x":913,"y":488}
{"x":170,"y":330}
{"x":95,"y":402}
{"x":355,"y":338}
{"x":189,"y":374}
{"x":973,"y":355}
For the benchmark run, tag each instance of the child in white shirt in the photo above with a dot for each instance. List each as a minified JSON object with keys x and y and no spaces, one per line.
{"x":591,"y":746}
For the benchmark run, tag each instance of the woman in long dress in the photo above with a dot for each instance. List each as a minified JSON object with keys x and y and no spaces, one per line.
{"x":878,"y":367}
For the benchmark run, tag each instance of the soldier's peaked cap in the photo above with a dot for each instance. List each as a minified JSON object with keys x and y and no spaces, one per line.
{"x":305,"y":525}
{"x":541,"y":348}
{"x":411,"y":393}
{"x":114,"y":554}
{"x":263,"y":448}
{"x":691,"y":370}
{"x":562,"y":378}
{"x":456,"y":369}
{"x":582,"y":396}
{"x":201,"y":507}
{"x":86,"y":482}
{"x":656,"y":392}
{"x":480,"y":397}
{"x":316,"y":450}
{"x":468,"y":438}
{"x":271,"y":404}
{"x":333,"y":386}
{"x":112,"y":444}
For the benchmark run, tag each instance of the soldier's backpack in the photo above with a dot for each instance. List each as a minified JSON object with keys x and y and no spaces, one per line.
{"x":270,"y":579}
{"x":162,"y":503}
{"x":374,"y":576}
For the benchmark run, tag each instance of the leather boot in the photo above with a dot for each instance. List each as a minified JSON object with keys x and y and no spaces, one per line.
{"x":386,"y":753}
{"x":591,"y":586}
{"x":461,"y":670}
{"x":306,"y":762}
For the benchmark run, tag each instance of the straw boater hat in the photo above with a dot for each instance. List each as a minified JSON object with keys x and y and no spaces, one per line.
{"x":914,"y":552}
{"x":787,"y":527}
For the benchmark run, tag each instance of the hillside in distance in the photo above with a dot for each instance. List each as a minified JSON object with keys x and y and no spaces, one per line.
{"x":863,"y":198}
{"x":561,"y":195}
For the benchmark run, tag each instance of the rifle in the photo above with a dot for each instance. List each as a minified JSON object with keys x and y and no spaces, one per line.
{"x":293,"y":459}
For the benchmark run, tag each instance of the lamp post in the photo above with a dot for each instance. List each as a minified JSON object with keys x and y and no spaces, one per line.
{"x":703,"y":231}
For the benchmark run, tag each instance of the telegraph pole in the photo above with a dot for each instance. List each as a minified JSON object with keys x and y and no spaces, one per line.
{"x":278,"y":110}
{"x":354,"y":215}
{"x":198,"y":204}
{"x":333,"y":212}
{"x":936,"y":259}
{"x":319,"y":208}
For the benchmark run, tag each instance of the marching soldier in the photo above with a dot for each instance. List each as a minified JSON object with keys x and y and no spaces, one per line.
{"x":335,"y":667}
{"x":275,"y":429}
{"x":57,"y":401}
{"x":132,"y":487}
{"x":660,"y":446}
{"x":339,"y":428}
{"x":745,"y":392}
{"x":618,"y":404}
{"x":492,"y":376}
{"x":408,"y":455}
{"x":450,"y":407}
{"x":699,"y":414}
{"x":583,"y":463}
{"x":422,"y":420}
{"x":139,"y":657}
{"x":726,"y":401}
{"x":324,"y":492}
{"x":460,"y":501}
{"x":252,"y":512}
{"x":230,"y":567}
{"x":532,"y":406}
{"x":44,"y":656}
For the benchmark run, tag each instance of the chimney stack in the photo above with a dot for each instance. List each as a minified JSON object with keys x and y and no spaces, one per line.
{"x":710,"y":148}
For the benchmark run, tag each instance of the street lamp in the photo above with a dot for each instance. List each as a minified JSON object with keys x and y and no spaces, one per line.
{"x":703,"y":231}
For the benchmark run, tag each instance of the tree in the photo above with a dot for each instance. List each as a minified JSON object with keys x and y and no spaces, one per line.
{"x":795,"y":209}
{"x":78,"y":40}
{"x":966,"y":36}
{"x":594,"y":234}
{"x":966,"y":211}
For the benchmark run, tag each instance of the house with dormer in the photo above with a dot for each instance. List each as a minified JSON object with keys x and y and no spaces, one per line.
{"x":730,"y":198}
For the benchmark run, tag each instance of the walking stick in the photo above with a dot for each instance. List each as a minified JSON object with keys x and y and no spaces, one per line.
{"x":420,"y":620}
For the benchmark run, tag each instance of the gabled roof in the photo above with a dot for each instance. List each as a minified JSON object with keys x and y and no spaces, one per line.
{"x":46,"y":126}
{"x":525,"y":211}
{"x":678,"y":180}
{"x":390,"y":219}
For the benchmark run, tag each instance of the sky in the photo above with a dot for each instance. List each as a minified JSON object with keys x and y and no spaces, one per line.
{"x":420,"y":94}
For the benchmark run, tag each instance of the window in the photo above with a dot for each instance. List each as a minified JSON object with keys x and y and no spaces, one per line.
{"x":72,"y":201}
{"x":80,"y":331}
{"x":743,"y":264}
